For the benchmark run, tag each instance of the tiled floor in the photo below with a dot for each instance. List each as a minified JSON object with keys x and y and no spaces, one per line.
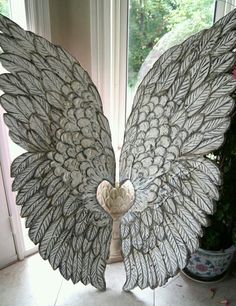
{"x":33,"y":283}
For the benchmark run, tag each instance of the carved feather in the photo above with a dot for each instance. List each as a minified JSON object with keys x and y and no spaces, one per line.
{"x":46,"y":92}
{"x":189,"y":89}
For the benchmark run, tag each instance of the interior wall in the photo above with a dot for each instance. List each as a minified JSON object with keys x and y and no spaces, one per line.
{"x":70,"y":28}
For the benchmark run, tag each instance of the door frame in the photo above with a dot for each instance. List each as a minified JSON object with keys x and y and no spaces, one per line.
{"x":13,"y":210}
{"x":33,"y":15}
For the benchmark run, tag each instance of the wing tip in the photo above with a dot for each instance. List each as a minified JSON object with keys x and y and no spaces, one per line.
{"x":127,"y":287}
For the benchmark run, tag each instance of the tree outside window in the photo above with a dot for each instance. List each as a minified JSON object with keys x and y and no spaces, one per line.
{"x":157,"y":25}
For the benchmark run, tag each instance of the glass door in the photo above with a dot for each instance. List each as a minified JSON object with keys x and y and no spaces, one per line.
{"x":7,"y":245}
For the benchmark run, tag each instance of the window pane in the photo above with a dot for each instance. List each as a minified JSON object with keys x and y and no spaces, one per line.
{"x":157,"y":25}
{"x":5,"y":8}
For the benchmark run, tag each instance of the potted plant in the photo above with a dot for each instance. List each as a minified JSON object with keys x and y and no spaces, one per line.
{"x":217,"y":246}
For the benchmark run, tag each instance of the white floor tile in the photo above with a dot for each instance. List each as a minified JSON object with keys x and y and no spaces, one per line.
{"x":181,"y":291}
{"x":29,"y":283}
{"x":71,"y":295}
{"x":32,"y":282}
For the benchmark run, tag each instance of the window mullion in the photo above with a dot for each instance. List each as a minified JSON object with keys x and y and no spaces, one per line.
{"x":100,"y":49}
{"x":223,"y":8}
{"x":120,"y":38}
{"x":119,"y":60}
{"x":38,"y":17}
{"x":109,"y":35}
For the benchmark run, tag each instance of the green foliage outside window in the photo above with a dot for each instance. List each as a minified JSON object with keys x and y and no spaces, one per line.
{"x":4,"y":7}
{"x":199,"y":13}
{"x":147,"y":24}
{"x":149,"y":20}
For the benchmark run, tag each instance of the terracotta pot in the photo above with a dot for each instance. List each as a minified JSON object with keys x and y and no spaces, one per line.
{"x":209,"y":266}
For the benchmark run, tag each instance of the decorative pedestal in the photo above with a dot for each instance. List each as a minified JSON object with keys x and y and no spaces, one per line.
{"x":115,"y":248}
{"x":116,"y":201}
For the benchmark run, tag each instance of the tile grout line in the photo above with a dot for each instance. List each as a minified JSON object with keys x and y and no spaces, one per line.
{"x":58,"y":293}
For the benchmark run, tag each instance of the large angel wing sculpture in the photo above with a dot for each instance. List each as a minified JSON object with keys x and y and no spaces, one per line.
{"x":180,"y":113}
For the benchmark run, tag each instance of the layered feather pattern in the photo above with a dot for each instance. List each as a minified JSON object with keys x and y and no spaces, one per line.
{"x":54,"y":112}
{"x":180,"y":114}
{"x":181,"y":111}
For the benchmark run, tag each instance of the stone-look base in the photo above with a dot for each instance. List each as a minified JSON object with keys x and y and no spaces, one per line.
{"x":115,"y":248}
{"x":116,"y":201}
{"x":114,"y":258}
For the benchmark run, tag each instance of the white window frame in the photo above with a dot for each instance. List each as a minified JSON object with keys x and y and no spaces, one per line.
{"x":13,"y":210}
{"x":223,"y":7}
{"x":109,"y":42}
{"x":38,"y":17}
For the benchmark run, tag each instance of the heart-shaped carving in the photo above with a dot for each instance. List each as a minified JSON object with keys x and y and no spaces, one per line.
{"x":115,"y":200}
